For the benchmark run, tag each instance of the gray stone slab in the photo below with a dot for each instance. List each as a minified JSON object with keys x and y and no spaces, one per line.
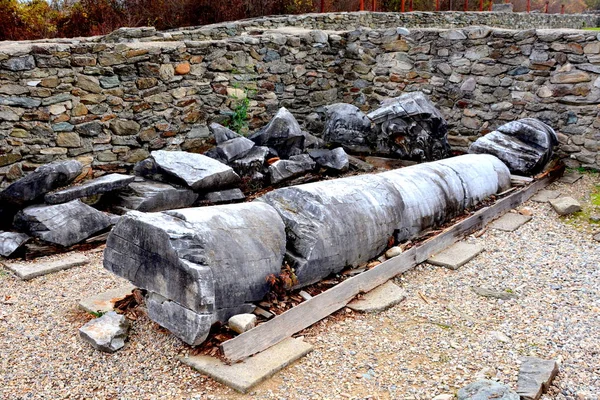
{"x":570,"y":177}
{"x":96,"y":186}
{"x":11,"y":241}
{"x":105,"y":302}
{"x":535,"y":377}
{"x":544,"y":196}
{"x":29,"y":270}
{"x":510,"y":222}
{"x":254,"y":370}
{"x":565,"y":205}
{"x":379,"y":299}
{"x":456,"y":255}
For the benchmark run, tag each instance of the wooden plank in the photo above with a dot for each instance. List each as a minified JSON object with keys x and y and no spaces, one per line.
{"x":307,"y":313}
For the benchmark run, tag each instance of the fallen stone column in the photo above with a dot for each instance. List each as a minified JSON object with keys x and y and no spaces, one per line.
{"x":199,"y":265}
{"x":333,"y":224}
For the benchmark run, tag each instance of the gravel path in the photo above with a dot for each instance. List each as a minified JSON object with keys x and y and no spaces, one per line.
{"x":438,"y":340}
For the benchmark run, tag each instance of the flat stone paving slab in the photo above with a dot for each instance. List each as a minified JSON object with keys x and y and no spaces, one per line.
{"x":456,"y":255}
{"x":105,"y":302}
{"x":250,"y":372}
{"x":379,"y":299}
{"x":510,"y":222}
{"x":570,"y":178}
{"x":544,"y":196}
{"x":30,"y":270}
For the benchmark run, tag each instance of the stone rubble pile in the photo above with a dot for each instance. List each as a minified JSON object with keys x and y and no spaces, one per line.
{"x":194,"y":275}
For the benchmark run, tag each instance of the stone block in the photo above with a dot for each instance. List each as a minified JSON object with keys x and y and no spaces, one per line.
{"x":456,"y":255}
{"x":244,"y":375}
{"x":40,"y":267}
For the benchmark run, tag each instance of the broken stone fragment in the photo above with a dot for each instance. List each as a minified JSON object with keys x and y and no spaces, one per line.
{"x":149,"y":169}
{"x":346,"y":125}
{"x":335,"y":159}
{"x":41,"y":181}
{"x":224,"y":196}
{"x":283,"y":134}
{"x":286,"y":169}
{"x":103,"y":184}
{"x":565,"y":205}
{"x":221,"y":133}
{"x":234,"y":148}
{"x":241,"y":323}
{"x":64,"y":224}
{"x":107,"y":333}
{"x":411,"y":128}
{"x":486,"y":389}
{"x":198,"y":171}
{"x":535,"y":377}
{"x":525,"y":145}
{"x":149,"y":196}
{"x":11,"y":241}
{"x":251,"y":163}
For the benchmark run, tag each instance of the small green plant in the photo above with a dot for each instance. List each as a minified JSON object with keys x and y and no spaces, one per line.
{"x":98,"y":313}
{"x":239,"y":119}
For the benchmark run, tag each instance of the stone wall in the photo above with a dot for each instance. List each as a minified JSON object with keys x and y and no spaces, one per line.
{"x":109,"y":104}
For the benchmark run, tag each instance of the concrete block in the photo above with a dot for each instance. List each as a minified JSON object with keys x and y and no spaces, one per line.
{"x":254,"y":370}
{"x":105,"y":302}
{"x":570,"y":178}
{"x":379,"y":299}
{"x":456,"y":255}
{"x":30,"y":270}
{"x":510,"y":222}
{"x":544,"y":196}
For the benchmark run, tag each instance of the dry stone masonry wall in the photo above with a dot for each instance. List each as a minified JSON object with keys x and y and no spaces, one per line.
{"x":109,"y":101}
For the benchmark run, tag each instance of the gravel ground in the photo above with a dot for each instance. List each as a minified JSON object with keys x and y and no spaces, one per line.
{"x":441,"y":338}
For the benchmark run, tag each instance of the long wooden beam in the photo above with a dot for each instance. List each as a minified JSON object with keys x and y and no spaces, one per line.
{"x":313,"y":310}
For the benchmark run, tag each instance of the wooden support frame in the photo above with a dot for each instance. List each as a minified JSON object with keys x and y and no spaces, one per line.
{"x":313,"y":310}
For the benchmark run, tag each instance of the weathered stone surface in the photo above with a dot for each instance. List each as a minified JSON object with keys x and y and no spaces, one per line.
{"x":320,"y":216}
{"x":449,"y":186}
{"x":196,"y":170}
{"x":286,"y":169}
{"x":124,"y":127}
{"x":208,"y":281}
{"x":570,"y":177}
{"x":486,"y":390}
{"x":64,"y":224}
{"x":224,"y":196}
{"x":221,"y":133}
{"x":335,"y":159}
{"x":565,"y":205}
{"x":411,"y":128}
{"x":535,"y":377}
{"x":103,"y":184}
{"x":252,"y":162}
{"x":41,"y":181}
{"x":11,"y":241}
{"x":349,"y":127}
{"x":107,"y":333}
{"x":525,"y":146}
{"x":149,"y":196}
{"x":241,"y":323}
{"x":234,"y":148}
{"x":379,"y":299}
{"x":282,"y":133}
